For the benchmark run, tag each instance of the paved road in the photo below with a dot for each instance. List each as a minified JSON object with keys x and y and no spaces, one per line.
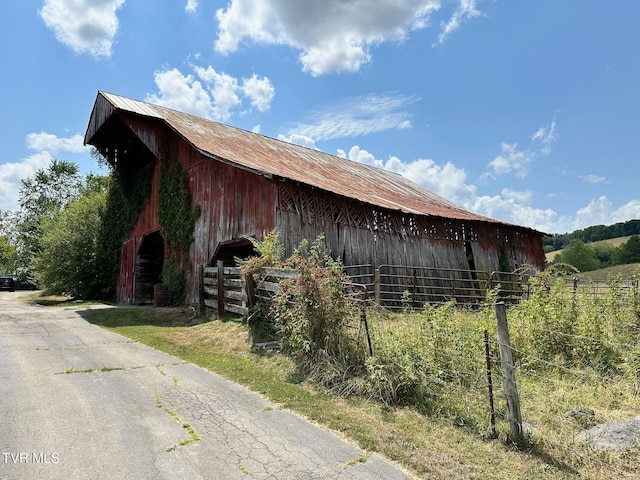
{"x":78,"y":402}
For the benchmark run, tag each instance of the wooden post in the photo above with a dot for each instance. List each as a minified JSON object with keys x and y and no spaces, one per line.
{"x":376,"y":286}
{"x":201,"y":305}
{"x":492,"y":410}
{"x":220,"y":275}
{"x":508,"y":374}
{"x":250,"y":291}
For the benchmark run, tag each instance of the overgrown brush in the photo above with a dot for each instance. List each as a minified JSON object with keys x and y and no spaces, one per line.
{"x":314,"y":311}
{"x":557,"y":328}
{"x":568,"y":349}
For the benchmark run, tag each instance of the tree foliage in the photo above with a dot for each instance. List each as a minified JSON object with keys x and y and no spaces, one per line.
{"x":41,"y":198}
{"x":580,"y":256}
{"x":588,"y":257}
{"x":68,"y":259}
{"x":8,"y":256}
{"x":593,"y":233}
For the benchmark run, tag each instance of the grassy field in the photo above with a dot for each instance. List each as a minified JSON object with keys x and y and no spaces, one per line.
{"x":625,"y":272}
{"x":430,"y":446}
{"x":614,"y":242}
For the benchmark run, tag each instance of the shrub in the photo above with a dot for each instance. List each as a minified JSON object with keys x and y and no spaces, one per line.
{"x":173,"y":280}
{"x":313,"y":310}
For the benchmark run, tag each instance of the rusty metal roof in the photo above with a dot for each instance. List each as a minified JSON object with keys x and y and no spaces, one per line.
{"x":276,"y":158}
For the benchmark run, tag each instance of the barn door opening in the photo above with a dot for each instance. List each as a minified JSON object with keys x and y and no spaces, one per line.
{"x":229,"y":250}
{"x":149,"y":262}
{"x":470,"y":260}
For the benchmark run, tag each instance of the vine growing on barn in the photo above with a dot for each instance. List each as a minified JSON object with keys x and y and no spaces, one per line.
{"x":125,"y":198}
{"x":176,"y":215}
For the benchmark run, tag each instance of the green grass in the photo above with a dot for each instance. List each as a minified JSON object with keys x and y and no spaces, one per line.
{"x":614,"y":242}
{"x":429,"y":446}
{"x":625,"y":271}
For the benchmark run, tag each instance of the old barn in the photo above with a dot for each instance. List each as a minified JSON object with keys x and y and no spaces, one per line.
{"x":244,"y":184}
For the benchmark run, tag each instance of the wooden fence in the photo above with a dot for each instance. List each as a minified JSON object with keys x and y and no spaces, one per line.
{"x":390,"y":286}
{"x":224,"y":289}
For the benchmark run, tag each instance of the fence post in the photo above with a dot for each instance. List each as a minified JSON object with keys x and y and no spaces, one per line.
{"x":250,"y":290}
{"x":376,"y":286}
{"x":492,"y":410}
{"x":201,"y":304}
{"x":508,"y":374}
{"x":220,"y":277}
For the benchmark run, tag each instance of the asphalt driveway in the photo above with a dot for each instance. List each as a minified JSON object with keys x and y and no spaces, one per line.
{"x":78,"y":402}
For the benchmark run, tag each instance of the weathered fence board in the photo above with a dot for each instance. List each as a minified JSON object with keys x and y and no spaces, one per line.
{"x":391,"y":286}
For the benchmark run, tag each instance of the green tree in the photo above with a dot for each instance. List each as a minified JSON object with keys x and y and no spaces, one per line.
{"x":68,"y":258}
{"x":629,"y":252}
{"x":605,"y":253}
{"x":580,"y":255}
{"x":7,"y":256}
{"x":41,"y":198}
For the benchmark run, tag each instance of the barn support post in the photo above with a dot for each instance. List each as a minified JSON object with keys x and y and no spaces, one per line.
{"x":376,"y":285}
{"x":508,"y":375}
{"x":220,"y":278}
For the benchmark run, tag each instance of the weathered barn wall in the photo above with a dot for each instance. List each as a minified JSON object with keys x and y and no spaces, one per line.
{"x":246,"y":184}
{"x":234,"y":204}
{"x":361,"y":234}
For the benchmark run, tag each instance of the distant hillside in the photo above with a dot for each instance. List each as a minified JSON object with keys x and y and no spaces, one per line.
{"x":614,"y":242}
{"x":625,"y":271}
{"x":592,"y":234}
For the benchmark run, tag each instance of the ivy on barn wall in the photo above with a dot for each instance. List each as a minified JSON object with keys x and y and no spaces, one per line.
{"x":125,"y":199}
{"x":177,"y":220}
{"x":176,"y":216}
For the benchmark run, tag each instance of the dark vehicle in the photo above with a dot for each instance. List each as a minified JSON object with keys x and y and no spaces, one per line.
{"x":7,"y":283}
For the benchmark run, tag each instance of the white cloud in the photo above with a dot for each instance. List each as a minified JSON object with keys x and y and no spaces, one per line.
{"x":446,"y":180}
{"x":192,"y":6}
{"x":510,"y":205}
{"x":223,"y":89}
{"x":511,"y":160}
{"x":86,"y":26}
{"x":298,"y":139}
{"x":331,"y":35}
{"x":209,"y":93}
{"x":517,"y":196}
{"x":514,"y":160}
{"x":260,"y":91}
{"x":358,"y":116}
{"x":593,"y":178}
{"x":465,"y":11}
{"x":546,"y":136}
{"x":181,"y":92}
{"x":601,"y":211}
{"x":52,"y":143}
{"x":11,"y":173}
{"x":509,"y":209}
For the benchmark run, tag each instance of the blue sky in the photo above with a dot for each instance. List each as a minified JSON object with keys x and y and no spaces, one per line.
{"x":523,"y":111}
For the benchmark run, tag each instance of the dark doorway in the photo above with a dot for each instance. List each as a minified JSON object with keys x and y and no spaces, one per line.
{"x":470,"y":260}
{"x":149,"y":262}
{"x":229,"y":250}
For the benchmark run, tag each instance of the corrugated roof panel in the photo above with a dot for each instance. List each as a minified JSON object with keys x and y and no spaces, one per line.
{"x":312,"y":167}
